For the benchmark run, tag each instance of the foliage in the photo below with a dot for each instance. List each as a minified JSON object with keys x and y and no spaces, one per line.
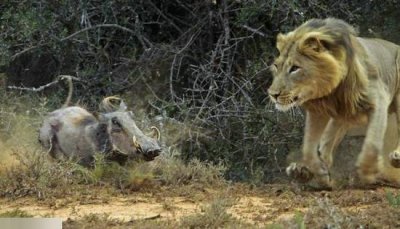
{"x":173,"y":171}
{"x":32,"y":174}
{"x":299,"y":218}
{"x":17,"y":213}
{"x":393,"y":199}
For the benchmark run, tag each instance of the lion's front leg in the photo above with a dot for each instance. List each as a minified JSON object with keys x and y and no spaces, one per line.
{"x":311,"y":165}
{"x":333,"y":135}
{"x":367,"y":166}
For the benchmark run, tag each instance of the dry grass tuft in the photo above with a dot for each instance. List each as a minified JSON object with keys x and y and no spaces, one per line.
{"x":17,"y":213}
{"x":173,"y":171}
{"x":214,"y":215}
{"x":104,"y":221}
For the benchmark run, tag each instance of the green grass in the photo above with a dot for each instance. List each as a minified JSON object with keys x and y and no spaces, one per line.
{"x":275,"y":226}
{"x":33,"y":174}
{"x":393,"y":199}
{"x":299,"y":218}
{"x":17,"y":213}
{"x":173,"y":171}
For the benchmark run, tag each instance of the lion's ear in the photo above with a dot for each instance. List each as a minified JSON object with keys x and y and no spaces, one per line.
{"x":316,"y":42}
{"x":280,"y":40}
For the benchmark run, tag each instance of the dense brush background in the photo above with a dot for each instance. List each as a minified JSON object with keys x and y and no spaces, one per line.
{"x":198,"y":69}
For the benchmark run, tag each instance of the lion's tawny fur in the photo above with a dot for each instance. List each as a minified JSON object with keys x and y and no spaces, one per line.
{"x":341,"y":80}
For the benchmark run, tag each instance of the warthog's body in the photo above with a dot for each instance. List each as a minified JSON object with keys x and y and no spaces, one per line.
{"x":73,"y":132}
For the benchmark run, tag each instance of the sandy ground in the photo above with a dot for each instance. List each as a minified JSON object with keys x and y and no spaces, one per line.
{"x":274,"y":204}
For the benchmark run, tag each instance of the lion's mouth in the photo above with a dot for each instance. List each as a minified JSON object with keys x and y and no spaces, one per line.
{"x":288,"y":104}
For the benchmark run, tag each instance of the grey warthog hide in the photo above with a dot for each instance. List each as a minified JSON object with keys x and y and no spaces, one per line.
{"x":73,"y":132}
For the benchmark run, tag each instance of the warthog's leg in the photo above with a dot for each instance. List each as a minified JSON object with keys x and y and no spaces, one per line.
{"x":394,"y":157}
{"x":52,"y":146}
{"x":311,"y":164}
{"x":367,"y":166}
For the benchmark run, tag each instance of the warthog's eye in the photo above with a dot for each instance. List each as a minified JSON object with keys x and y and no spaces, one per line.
{"x":116,"y":125}
{"x":294,"y":68}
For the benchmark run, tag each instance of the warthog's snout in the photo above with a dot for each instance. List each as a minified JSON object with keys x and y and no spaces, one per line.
{"x":150,"y":154}
{"x":148,"y":147}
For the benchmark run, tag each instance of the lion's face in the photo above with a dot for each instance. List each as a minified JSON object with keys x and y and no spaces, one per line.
{"x":306,"y":69}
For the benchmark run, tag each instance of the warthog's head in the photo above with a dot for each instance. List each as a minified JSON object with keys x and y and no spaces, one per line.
{"x":126,"y":138}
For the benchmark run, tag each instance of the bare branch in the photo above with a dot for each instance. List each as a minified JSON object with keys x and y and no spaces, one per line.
{"x":253,"y":30}
{"x":79,"y":32}
{"x":165,"y":17}
{"x":41,"y":88}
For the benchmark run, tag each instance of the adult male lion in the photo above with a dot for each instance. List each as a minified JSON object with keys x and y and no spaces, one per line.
{"x":342,"y":81}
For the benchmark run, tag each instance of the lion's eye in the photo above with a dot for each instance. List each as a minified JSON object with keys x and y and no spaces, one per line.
{"x":294,"y":68}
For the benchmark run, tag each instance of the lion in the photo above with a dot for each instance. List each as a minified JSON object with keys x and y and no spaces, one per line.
{"x":342,"y":81}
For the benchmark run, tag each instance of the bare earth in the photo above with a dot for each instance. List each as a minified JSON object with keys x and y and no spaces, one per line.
{"x":272,"y":204}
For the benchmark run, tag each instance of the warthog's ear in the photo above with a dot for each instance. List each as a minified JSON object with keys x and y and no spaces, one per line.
{"x":109,"y":104}
{"x":122,"y":106}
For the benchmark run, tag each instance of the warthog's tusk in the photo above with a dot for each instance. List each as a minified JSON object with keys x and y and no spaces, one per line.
{"x":136,"y":143}
{"x":157,"y":132}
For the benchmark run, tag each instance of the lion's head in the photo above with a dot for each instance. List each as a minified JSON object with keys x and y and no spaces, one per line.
{"x":313,"y":60}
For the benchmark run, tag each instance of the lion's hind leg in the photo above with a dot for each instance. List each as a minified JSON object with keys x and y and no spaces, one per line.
{"x":394,"y":156}
{"x":388,"y":174}
{"x":367,"y":161}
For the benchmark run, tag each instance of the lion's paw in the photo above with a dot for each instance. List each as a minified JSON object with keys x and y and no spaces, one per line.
{"x":367,"y":175}
{"x":299,"y":172}
{"x":394,"y":158}
{"x":367,"y":168}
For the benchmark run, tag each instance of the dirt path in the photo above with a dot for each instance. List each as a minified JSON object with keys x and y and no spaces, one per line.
{"x":248,"y":207}
{"x":276,"y":204}
{"x":137,"y":208}
{"x":124,"y":209}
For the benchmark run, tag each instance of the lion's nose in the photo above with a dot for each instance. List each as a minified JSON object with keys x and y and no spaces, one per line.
{"x":274,"y":94}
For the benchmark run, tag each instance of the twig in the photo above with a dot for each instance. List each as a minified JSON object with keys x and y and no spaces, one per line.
{"x":77,"y":33}
{"x":41,"y":88}
{"x":165,"y":17}
{"x":253,"y":30}
{"x":98,"y":26}
{"x":152,"y":217}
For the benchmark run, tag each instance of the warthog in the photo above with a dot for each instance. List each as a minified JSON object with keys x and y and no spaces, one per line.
{"x":73,"y":132}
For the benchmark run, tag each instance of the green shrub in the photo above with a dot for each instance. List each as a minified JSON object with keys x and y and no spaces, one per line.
{"x":393,"y":199}
{"x":17,"y":213}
